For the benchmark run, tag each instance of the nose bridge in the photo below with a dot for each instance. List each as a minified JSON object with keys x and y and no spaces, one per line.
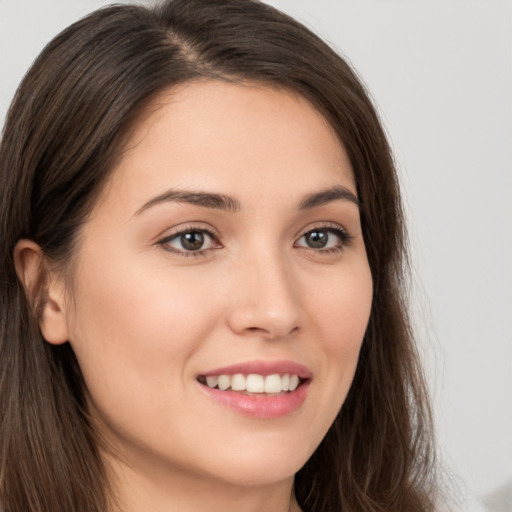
{"x":265,"y":300}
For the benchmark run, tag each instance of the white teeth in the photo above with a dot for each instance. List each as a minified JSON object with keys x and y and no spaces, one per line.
{"x":212,"y":381}
{"x":294,"y":382}
{"x":254,"y":383}
{"x":238,"y":382}
{"x":273,"y":383}
{"x":224,"y":382}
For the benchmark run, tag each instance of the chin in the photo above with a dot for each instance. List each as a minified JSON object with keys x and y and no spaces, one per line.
{"x":258,"y":474}
{"x":262,"y":463}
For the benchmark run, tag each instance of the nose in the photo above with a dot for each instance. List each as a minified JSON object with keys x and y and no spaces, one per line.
{"x":265,"y":301}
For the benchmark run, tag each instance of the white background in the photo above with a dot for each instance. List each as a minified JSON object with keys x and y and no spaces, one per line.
{"x":441,"y":73}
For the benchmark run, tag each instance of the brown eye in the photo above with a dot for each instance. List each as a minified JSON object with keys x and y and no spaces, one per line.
{"x":190,"y":241}
{"x":316,"y":239}
{"x":324,"y":239}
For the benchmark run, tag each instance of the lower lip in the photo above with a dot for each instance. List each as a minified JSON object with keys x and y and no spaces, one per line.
{"x":265,"y":406}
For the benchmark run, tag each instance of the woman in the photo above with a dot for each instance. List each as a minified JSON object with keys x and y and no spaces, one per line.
{"x":202,"y":275}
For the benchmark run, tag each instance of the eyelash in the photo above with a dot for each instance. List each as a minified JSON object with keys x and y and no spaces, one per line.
{"x":164,"y":242}
{"x":344,"y":237}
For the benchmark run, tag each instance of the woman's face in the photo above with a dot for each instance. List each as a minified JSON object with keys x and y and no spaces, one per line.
{"x":227,"y":242}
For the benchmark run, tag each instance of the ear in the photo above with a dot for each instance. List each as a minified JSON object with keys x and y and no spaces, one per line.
{"x":45,"y":291}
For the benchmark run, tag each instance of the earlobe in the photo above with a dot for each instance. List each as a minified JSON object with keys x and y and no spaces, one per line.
{"x":45,"y":292}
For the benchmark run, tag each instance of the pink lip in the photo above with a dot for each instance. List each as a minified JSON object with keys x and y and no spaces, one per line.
{"x":263,"y":368}
{"x":264,"y":406}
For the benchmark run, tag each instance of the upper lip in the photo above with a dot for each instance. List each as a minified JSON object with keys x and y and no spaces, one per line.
{"x":264,"y":368}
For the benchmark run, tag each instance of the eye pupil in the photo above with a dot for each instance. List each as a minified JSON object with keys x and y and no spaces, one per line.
{"x":192,"y":241}
{"x":317,"y":239}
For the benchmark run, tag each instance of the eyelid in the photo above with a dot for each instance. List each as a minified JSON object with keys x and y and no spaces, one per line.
{"x":337,"y":229}
{"x":344,"y":236}
{"x":175,"y":232}
{"x":190,"y":226}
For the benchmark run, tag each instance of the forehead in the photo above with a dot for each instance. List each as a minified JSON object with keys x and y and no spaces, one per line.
{"x":216,"y":134}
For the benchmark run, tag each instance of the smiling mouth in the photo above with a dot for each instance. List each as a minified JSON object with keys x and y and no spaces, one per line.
{"x":254,"y":384}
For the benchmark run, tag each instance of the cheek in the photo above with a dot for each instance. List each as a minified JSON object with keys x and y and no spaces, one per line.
{"x":342,"y":310}
{"x":341,"y":317}
{"x":135,"y":336}
{"x":338,"y":314}
{"x":133,"y":330}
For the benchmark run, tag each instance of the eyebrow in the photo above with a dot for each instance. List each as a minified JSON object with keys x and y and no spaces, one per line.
{"x":328,"y":195}
{"x":204,"y":199}
{"x":227,"y":203}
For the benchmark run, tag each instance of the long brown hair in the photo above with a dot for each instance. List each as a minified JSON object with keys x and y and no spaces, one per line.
{"x":64,"y":132}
